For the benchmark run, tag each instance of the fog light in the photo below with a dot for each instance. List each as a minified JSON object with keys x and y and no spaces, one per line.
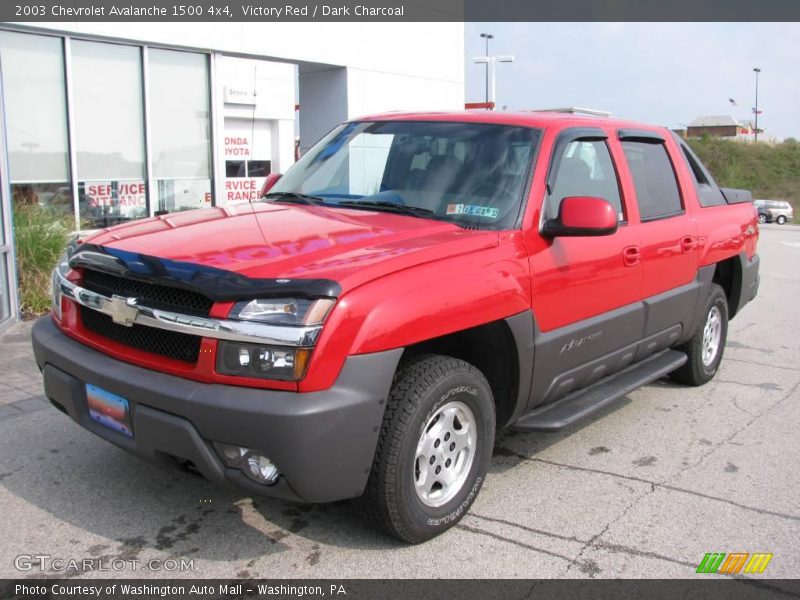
{"x":232,"y":454}
{"x":252,"y":463}
{"x":261,"y":469}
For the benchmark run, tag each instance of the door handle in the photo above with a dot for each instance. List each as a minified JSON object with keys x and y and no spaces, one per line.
{"x":688,"y":243}
{"x":631,"y":256}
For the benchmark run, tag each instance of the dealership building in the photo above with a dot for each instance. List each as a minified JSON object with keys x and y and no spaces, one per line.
{"x":108,"y":122}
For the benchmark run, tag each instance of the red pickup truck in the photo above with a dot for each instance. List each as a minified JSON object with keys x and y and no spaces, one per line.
{"x":415,"y":283}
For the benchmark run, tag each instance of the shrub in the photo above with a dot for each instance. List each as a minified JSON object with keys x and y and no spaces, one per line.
{"x":770,"y":171}
{"x":40,"y":236}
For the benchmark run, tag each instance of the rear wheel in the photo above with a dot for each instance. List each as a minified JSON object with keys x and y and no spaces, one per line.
{"x":434,"y":450}
{"x":780,"y":220}
{"x":707,"y":345}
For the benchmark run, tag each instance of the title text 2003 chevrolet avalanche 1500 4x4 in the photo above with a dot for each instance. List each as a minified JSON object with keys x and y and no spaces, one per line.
{"x":413,"y":284}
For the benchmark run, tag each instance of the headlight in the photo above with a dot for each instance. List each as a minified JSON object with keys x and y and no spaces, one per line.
{"x":262,"y":362}
{"x":283,"y":311}
{"x":271,"y":362}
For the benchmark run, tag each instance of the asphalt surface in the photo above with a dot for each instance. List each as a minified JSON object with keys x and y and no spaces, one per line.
{"x":645,"y":489}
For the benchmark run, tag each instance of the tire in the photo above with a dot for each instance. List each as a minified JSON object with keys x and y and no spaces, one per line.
{"x":762,"y":218}
{"x":780,"y":220}
{"x":711,"y":333}
{"x":427,"y":392}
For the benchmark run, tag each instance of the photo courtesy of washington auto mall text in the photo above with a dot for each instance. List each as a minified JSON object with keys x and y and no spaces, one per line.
{"x":74,"y":591}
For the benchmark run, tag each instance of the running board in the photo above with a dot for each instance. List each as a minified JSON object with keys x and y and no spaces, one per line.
{"x":581,"y":403}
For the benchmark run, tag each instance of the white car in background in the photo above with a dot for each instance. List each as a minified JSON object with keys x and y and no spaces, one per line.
{"x":777,"y":211}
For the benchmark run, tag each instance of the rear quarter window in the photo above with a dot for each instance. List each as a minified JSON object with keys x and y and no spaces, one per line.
{"x":708,"y":193}
{"x":657,"y":192}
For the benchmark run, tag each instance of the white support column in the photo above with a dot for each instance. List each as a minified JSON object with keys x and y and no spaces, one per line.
{"x":152,"y":186}
{"x":323,"y":102}
{"x":217,"y":122}
{"x":73,"y":158}
{"x":7,"y":255}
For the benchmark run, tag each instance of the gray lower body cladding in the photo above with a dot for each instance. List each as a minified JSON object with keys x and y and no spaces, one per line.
{"x":323,"y":443}
{"x":578,"y":355}
{"x":750,"y":279}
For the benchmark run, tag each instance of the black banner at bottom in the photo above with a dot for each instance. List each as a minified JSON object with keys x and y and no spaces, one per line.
{"x":397,"y":589}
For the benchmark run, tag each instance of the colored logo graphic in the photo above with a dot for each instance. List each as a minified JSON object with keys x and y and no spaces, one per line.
{"x":736,"y":562}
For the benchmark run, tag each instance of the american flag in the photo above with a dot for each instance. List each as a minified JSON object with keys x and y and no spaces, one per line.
{"x":757,"y":112}
{"x":733,"y":102}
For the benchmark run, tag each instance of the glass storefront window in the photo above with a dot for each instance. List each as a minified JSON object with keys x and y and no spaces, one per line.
{"x":108,"y":128}
{"x":180,"y":129}
{"x":259,"y":168}
{"x":107,"y":203}
{"x":183,"y":194}
{"x":36,"y":119}
{"x":109,"y":132}
{"x":107,"y":89}
{"x":235,"y":168}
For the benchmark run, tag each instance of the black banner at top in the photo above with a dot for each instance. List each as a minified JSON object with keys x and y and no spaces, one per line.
{"x":275,"y":11}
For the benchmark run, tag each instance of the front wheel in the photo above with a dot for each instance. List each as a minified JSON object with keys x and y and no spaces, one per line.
{"x":708,"y":342}
{"x":780,"y":220}
{"x":762,"y":218}
{"x":434,"y":448}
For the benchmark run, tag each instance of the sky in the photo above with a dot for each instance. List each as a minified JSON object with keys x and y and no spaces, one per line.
{"x":659,"y":73}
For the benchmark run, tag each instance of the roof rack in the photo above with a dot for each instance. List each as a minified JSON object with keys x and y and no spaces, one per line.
{"x":575,"y":110}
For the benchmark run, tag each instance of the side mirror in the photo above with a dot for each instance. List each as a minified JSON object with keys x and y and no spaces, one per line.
{"x":270,"y":181}
{"x":582,"y":216}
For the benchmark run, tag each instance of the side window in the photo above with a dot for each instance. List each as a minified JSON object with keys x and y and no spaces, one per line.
{"x":657,"y":190}
{"x":699,"y":177}
{"x":707,"y":191}
{"x":585,"y":169}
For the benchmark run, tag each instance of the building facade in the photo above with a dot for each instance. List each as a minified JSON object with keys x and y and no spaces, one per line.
{"x":720,"y":126}
{"x":108,"y":122}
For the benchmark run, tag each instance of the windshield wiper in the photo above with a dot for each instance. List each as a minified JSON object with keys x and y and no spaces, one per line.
{"x":295,"y":197}
{"x":414,"y":211}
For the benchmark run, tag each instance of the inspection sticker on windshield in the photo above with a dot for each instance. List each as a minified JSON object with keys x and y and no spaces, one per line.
{"x":472,"y":210}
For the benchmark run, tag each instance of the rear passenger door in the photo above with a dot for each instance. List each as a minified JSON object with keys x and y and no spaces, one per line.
{"x":669,"y":243}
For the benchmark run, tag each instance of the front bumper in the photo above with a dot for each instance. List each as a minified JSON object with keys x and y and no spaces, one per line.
{"x":323,"y":443}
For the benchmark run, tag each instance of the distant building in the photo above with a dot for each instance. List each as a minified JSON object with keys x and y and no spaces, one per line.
{"x":729,"y":128}
{"x":719,"y":126}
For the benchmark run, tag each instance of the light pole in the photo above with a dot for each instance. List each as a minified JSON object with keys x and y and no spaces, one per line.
{"x":757,"y":71}
{"x":487,"y":37}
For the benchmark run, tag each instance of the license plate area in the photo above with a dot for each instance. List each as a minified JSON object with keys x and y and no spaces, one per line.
{"x":109,"y":409}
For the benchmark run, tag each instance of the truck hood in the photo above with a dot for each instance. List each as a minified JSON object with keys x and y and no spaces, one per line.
{"x":287,"y":241}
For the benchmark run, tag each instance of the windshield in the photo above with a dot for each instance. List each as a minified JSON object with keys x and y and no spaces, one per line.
{"x":473,"y":174}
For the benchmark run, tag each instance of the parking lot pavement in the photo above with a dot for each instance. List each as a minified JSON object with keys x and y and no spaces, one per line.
{"x":644,"y":490}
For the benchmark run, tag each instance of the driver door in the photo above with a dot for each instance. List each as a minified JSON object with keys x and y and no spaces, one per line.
{"x":586,"y":290}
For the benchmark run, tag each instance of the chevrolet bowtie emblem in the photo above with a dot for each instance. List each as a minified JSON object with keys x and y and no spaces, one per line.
{"x":123,"y":310}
